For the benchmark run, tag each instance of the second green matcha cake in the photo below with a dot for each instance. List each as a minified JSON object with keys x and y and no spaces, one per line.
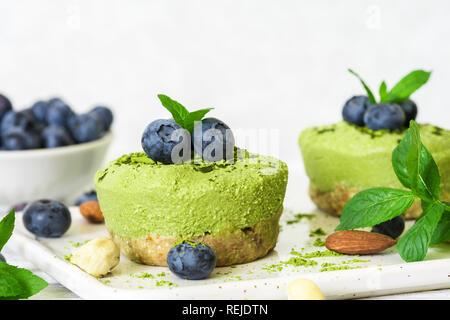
{"x":232,"y":206}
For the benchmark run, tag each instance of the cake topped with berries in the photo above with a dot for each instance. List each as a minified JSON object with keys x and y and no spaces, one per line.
{"x":191,"y":183}
{"x":344,"y":158}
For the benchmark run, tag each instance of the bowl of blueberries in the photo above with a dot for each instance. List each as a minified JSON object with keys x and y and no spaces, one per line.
{"x":50,"y":151}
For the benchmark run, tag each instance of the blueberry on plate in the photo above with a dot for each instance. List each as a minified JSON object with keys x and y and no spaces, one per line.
{"x":191,"y":260}
{"x":2,"y":258}
{"x":85,"y":127}
{"x":16,"y":138}
{"x":47,"y":218}
{"x":39,"y":109}
{"x":213,"y":140}
{"x":5,"y":105}
{"x":105,"y":115}
{"x":87,"y":196}
{"x":160,"y":139}
{"x":388,"y":116}
{"x":58,"y":114}
{"x":21,"y":119}
{"x":392,"y":228}
{"x":354,"y":110}
{"x":410,"y":109}
{"x":56,"y":136}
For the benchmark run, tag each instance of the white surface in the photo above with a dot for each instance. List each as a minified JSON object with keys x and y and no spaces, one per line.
{"x":50,"y":173}
{"x":383,"y":274}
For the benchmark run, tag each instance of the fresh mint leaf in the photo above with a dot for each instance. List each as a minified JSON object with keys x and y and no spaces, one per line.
{"x":413,"y":246}
{"x":30,"y":283}
{"x":9,"y":286}
{"x":373,"y":206}
{"x":415,"y":167}
{"x":399,"y":160}
{"x":6,"y":228}
{"x":422,"y":169}
{"x":180,"y":114}
{"x":369,"y":92}
{"x":407,"y":85}
{"x":192,"y":117}
{"x":442,"y":231}
{"x":383,"y":92}
{"x":178,"y":111}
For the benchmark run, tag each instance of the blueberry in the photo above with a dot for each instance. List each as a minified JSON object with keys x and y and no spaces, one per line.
{"x":56,"y":101}
{"x":158,"y":141}
{"x":191,"y":260}
{"x":354,"y":110}
{"x":2,"y":258}
{"x":204,"y":140}
{"x":47,"y":218}
{"x":87,"y":196}
{"x":392,"y":228}
{"x":39,"y":109}
{"x":16,"y":138}
{"x":105,"y":115}
{"x":59,"y":114}
{"x":56,"y":136}
{"x":384,"y":116}
{"x":5,"y":105}
{"x":21,"y":119}
{"x":85,"y":127}
{"x":410,"y":109}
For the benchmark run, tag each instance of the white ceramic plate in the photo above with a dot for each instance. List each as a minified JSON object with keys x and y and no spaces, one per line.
{"x":376,"y":275}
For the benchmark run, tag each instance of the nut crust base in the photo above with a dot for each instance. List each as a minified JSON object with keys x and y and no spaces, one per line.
{"x":238,"y":246}
{"x":333,"y":202}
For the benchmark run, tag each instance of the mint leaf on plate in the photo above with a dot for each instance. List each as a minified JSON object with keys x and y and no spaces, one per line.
{"x":181,"y":115}
{"x":29,"y":283}
{"x":366,"y":87}
{"x":9,"y":286}
{"x":415,"y":167}
{"x":6,"y":228}
{"x":373,"y":206}
{"x":442,"y":231}
{"x":413,"y":245}
{"x":407,"y":85}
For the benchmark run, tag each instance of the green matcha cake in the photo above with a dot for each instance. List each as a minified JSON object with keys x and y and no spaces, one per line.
{"x":232,"y":206}
{"x":343,"y":159}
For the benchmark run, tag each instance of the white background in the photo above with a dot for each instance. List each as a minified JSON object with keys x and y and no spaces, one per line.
{"x":278,"y":65}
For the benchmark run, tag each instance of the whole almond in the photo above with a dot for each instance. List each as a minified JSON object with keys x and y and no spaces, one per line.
{"x":358,"y":242}
{"x":91,"y":211}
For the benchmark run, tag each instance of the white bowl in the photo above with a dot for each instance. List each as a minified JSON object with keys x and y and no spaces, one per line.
{"x":57,"y":173}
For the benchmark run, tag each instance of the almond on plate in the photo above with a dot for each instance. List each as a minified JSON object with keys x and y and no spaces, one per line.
{"x":91,"y":211}
{"x":358,"y":242}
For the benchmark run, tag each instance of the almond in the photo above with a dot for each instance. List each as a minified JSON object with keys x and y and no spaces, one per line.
{"x":358,"y":242}
{"x":91,"y":211}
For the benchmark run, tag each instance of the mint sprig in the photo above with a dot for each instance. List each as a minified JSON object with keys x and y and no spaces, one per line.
{"x":15,"y":283}
{"x":401,"y":91}
{"x":416,"y":169}
{"x":181,"y":115}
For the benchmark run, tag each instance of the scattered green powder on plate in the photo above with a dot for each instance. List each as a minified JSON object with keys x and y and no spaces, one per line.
{"x":317,"y":232}
{"x":67,"y":257}
{"x":161,"y":283}
{"x":143,"y":275}
{"x":298,"y":217}
{"x":336,"y":267}
{"x":319,"y":242}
